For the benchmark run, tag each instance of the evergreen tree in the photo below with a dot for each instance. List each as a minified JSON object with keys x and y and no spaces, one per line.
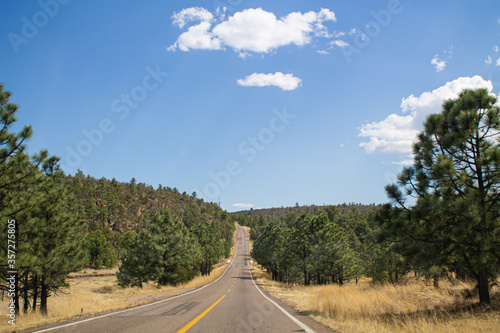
{"x":456,"y":179}
{"x":163,"y":254}
{"x":19,"y":174}
{"x":209,"y":241}
{"x":100,"y":250}
{"x":55,"y":234}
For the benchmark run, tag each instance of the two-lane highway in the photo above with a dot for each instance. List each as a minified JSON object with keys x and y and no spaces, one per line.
{"x":232,"y":303}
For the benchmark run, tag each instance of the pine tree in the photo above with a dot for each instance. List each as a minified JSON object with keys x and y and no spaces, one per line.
{"x":209,"y":241}
{"x":100,"y":250}
{"x":163,"y":254}
{"x":456,"y":179}
{"x":18,"y":175}
{"x":55,"y":233}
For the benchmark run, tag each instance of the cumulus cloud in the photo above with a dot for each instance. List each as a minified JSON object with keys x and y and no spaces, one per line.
{"x":242,"y":205}
{"x":278,"y":79}
{"x":250,"y":30}
{"x":191,"y":14}
{"x":497,"y":62}
{"x":197,"y":37}
{"x":440,"y":64}
{"x":495,"y":48}
{"x":396,"y":133}
{"x":488,"y":61}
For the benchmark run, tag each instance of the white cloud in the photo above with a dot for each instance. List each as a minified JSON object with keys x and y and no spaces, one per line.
{"x":396,"y":133}
{"x":495,"y":48}
{"x":497,"y":62}
{"x":404,"y":162}
{"x":191,"y":14}
{"x":488,"y":61}
{"x":252,"y":30}
{"x":242,"y":205}
{"x":352,"y":32}
{"x":440,"y":64}
{"x":197,"y":37}
{"x":323,"y":52}
{"x":243,"y":54}
{"x":278,"y":79}
{"x":339,"y":43}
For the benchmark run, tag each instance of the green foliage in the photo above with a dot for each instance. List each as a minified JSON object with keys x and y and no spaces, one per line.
{"x":123,"y":242}
{"x":209,"y":241}
{"x":329,"y":245}
{"x":55,"y":233}
{"x":100,"y":250}
{"x":455,"y":221}
{"x":164,"y":254}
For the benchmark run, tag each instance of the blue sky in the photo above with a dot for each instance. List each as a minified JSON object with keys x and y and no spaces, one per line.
{"x":260,"y":103}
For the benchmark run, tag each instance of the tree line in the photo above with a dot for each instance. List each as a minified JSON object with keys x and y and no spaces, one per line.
{"x":63,"y":223}
{"x":331,"y":244}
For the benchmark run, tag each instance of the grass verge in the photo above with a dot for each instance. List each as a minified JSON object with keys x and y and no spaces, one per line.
{"x":411,"y":307}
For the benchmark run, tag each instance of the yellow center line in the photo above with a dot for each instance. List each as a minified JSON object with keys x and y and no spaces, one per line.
{"x":201,"y":315}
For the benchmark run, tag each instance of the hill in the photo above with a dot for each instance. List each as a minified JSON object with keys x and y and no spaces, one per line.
{"x":115,"y":207}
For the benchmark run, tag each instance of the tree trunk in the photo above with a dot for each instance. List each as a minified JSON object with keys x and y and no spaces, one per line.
{"x":436,"y":280}
{"x":16,"y":292}
{"x":390,"y":277}
{"x":35,"y":292}
{"x":43,"y":297}
{"x":484,"y":290}
{"x":26,"y":289}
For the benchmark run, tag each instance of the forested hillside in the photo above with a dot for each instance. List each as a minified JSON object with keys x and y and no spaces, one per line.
{"x":116,"y":208}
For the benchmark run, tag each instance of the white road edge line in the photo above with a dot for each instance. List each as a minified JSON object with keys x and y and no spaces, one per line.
{"x":295,"y":320}
{"x":144,"y":305}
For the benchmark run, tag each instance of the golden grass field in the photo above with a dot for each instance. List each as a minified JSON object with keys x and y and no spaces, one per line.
{"x":411,"y":307}
{"x":89,"y":295}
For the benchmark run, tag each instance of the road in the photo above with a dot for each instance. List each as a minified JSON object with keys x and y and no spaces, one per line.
{"x":232,"y":303}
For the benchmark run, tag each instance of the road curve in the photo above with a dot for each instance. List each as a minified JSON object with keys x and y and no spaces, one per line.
{"x":233,"y":303}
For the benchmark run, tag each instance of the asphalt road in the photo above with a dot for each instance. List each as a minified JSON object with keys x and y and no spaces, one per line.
{"x":233,"y":303}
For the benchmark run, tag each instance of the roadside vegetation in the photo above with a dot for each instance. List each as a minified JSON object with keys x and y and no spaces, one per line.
{"x":414,"y":305}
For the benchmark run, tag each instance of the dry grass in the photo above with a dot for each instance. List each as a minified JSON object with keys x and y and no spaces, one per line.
{"x":413,"y":307}
{"x":88,"y":295}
